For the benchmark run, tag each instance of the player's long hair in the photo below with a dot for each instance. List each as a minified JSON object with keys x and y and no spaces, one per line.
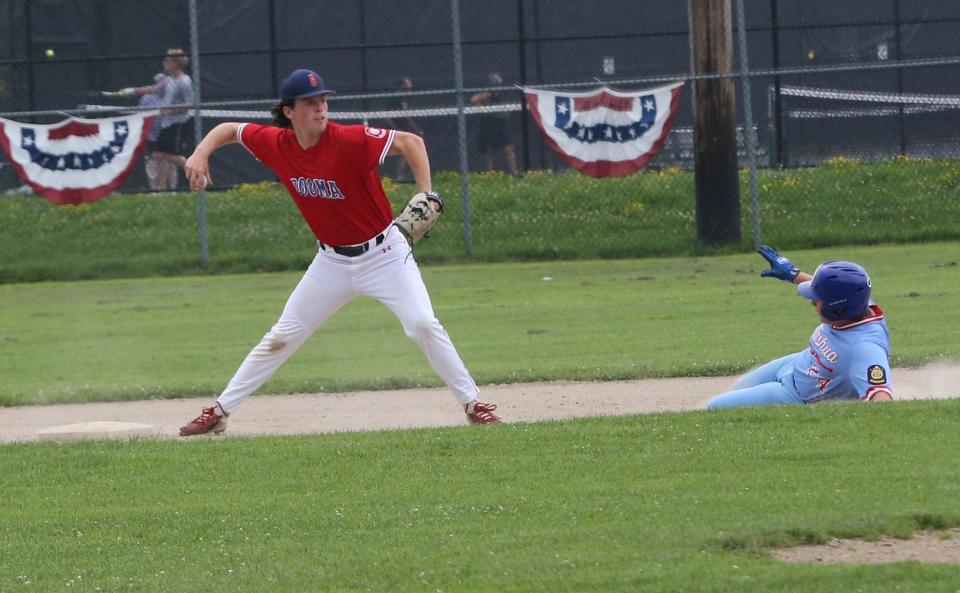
{"x":280,"y":119}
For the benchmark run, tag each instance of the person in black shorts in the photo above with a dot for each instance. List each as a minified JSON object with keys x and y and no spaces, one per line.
{"x":493,"y":136}
{"x":404,"y":124}
{"x":176,"y":139}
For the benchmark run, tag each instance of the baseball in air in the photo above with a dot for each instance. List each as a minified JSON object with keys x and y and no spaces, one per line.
{"x":50,"y":53}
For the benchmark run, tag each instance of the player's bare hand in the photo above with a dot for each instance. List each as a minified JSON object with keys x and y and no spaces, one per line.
{"x":197,"y":170}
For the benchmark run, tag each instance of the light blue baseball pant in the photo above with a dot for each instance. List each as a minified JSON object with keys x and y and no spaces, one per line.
{"x":767,"y":385}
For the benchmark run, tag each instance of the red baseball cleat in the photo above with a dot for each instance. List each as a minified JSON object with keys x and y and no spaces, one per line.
{"x":208,"y":421}
{"x":481,"y":413}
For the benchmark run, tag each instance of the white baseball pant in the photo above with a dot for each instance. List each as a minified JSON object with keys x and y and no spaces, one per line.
{"x":388,"y":273}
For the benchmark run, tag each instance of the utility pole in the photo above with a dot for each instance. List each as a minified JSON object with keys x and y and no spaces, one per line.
{"x":715,"y":124}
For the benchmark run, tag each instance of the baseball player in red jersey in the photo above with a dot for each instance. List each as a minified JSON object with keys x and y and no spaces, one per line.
{"x":330,"y":170}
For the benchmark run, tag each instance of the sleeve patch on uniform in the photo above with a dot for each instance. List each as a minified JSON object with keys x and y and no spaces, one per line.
{"x":375,"y":132}
{"x":876,"y":375}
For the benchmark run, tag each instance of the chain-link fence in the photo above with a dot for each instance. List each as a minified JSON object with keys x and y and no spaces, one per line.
{"x":825,"y":80}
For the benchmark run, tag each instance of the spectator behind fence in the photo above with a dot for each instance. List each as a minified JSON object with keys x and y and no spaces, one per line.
{"x":404,"y":124}
{"x":175,"y":139}
{"x":493,"y":136}
{"x":161,"y":174}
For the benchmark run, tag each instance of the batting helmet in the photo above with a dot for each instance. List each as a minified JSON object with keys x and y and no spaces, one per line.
{"x":844,"y":288}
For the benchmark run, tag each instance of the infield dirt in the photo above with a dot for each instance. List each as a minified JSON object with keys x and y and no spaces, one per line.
{"x":415,"y":408}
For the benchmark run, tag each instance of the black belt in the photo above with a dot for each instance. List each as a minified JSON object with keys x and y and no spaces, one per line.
{"x":354,"y":250}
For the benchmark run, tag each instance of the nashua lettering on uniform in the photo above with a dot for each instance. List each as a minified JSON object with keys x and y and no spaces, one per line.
{"x":316,"y":188}
{"x":820,"y":341}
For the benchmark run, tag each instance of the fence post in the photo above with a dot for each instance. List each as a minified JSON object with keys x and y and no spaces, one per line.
{"x":461,"y":126}
{"x":899,"y":49}
{"x":198,"y":126}
{"x":29,"y":53}
{"x":522,"y":51}
{"x":272,"y":23}
{"x":776,"y":155}
{"x":748,"y":121}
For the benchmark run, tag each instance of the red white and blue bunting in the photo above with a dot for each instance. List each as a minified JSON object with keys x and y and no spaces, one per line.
{"x":605,"y":133}
{"x":76,"y":160}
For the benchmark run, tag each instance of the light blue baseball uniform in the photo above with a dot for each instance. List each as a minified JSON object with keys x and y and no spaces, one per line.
{"x":848,"y":362}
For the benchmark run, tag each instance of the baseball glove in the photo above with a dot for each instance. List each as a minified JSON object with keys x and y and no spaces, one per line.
{"x":420,"y":213}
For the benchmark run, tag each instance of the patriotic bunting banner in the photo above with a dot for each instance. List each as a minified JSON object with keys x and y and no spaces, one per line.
{"x":605,"y":133}
{"x":76,"y":160}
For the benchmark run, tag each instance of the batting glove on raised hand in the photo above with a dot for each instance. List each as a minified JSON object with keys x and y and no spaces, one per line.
{"x":780,"y":267}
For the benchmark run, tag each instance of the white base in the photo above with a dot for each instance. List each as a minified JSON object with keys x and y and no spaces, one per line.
{"x":95,"y":430}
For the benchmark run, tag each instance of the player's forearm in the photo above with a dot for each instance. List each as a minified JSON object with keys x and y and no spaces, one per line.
{"x":223,"y":134}
{"x":414,"y":151}
{"x":197,"y":167}
{"x":420,"y":167}
{"x":802,"y":277}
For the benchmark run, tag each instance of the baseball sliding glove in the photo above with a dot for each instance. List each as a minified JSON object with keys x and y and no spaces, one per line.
{"x":420,"y":213}
{"x":780,"y":267}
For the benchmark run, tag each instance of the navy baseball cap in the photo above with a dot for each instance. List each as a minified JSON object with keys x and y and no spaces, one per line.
{"x":303,"y":83}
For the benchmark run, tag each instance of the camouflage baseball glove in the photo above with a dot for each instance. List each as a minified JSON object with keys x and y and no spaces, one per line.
{"x":420,"y":213}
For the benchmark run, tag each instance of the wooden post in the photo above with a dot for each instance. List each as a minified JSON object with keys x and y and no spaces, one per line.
{"x":715,"y":124}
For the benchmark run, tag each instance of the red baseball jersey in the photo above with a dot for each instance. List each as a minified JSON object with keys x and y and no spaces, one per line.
{"x":335,"y":182}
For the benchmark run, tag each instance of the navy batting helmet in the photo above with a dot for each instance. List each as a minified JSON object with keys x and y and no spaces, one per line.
{"x":843,"y":286}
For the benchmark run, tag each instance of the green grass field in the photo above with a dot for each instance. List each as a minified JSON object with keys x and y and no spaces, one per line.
{"x":664,"y":502}
{"x":668,"y":502}
{"x":541,"y":216}
{"x":592,"y":320}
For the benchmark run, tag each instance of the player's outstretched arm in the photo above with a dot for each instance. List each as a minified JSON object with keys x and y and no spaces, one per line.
{"x":414,"y":151}
{"x":197,"y":167}
{"x":137,"y":90}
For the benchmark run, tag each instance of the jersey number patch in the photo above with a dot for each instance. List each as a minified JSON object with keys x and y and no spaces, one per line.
{"x":876,"y":375}
{"x":822,"y":384}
